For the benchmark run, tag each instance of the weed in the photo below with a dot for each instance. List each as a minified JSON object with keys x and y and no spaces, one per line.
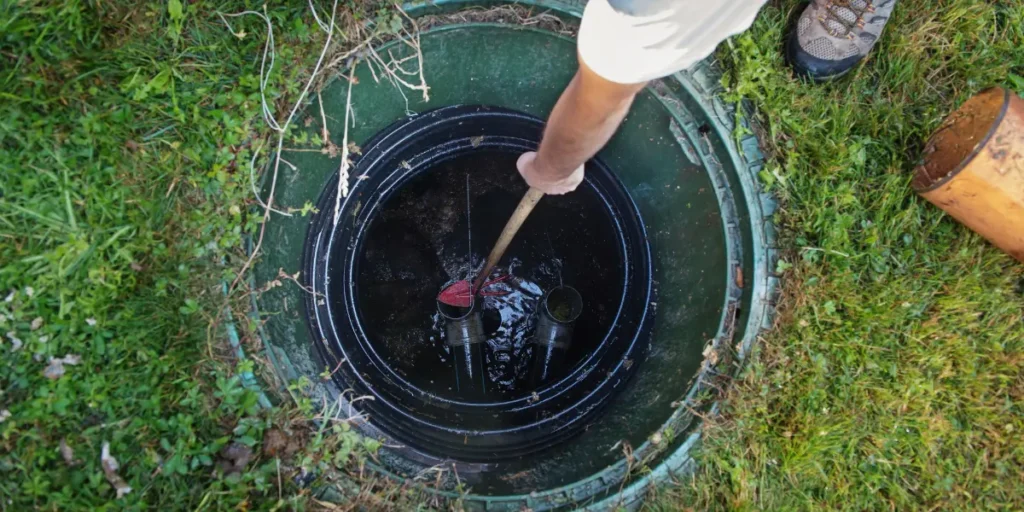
{"x":126,"y":132}
{"x":893,"y":378}
{"x":125,"y":136}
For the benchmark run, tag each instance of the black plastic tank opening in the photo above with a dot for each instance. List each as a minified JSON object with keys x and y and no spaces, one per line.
{"x":437,"y":228}
{"x":435,"y":192}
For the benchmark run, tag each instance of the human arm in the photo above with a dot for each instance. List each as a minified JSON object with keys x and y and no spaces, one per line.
{"x":623,"y":44}
{"x":584,"y":118}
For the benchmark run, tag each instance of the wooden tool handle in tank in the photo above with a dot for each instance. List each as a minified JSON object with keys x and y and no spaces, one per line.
{"x":526,"y":205}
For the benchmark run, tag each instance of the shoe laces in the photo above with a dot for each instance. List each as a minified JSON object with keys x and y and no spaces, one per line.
{"x":841,"y":17}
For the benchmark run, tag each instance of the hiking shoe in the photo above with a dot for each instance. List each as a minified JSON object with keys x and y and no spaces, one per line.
{"x":834,"y":35}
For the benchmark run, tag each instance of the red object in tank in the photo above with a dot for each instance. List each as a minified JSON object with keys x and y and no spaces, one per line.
{"x":460,"y":293}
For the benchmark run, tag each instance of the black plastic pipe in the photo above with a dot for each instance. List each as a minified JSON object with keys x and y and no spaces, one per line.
{"x":464,"y":335}
{"x":556,"y":317}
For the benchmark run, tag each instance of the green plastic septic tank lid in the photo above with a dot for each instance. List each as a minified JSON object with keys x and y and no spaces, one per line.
{"x":693,"y":177}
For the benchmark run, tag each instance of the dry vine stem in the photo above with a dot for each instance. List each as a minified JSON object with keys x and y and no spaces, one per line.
{"x":343,"y":171}
{"x":413,"y":41}
{"x":280,"y":129}
{"x":410,"y":39}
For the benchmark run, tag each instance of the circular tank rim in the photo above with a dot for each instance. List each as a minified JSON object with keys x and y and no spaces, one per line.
{"x":642,"y":258}
{"x":743,"y":155}
{"x":323,"y":236}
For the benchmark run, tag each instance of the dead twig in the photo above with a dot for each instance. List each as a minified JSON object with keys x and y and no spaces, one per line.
{"x":413,"y":40}
{"x":281,"y":129}
{"x":343,"y":169}
{"x":295,"y":279}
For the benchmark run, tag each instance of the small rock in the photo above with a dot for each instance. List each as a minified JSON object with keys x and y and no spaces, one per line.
{"x":304,"y":478}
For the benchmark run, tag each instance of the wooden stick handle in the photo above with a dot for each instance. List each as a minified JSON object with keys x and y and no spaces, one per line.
{"x":526,"y":205}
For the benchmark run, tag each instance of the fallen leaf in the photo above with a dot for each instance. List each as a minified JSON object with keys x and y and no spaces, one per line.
{"x":274,"y":442}
{"x":37,"y":323}
{"x":516,"y":476}
{"x":110,"y":467}
{"x":234,"y":457}
{"x":136,"y":267}
{"x":15,"y":341}
{"x":282,"y":273}
{"x":55,"y":369}
{"x":330,"y":149}
{"x":710,"y":355}
{"x":67,"y":453}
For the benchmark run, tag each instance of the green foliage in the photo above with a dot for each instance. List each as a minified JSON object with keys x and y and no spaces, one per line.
{"x":894,"y":379}
{"x":125,"y":138}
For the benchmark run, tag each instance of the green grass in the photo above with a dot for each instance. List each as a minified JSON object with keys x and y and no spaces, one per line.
{"x":125,"y":136}
{"x":892,"y":381}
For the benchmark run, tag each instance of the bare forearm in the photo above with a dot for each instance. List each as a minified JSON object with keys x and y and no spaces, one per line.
{"x":580,"y":125}
{"x":584,"y":118}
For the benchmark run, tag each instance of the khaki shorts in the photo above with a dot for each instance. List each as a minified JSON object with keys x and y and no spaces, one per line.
{"x":640,"y":40}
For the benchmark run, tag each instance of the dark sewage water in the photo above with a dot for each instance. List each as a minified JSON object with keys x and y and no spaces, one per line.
{"x":439,"y":227}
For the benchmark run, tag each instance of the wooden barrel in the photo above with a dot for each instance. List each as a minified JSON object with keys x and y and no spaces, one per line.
{"x":973,"y":168}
